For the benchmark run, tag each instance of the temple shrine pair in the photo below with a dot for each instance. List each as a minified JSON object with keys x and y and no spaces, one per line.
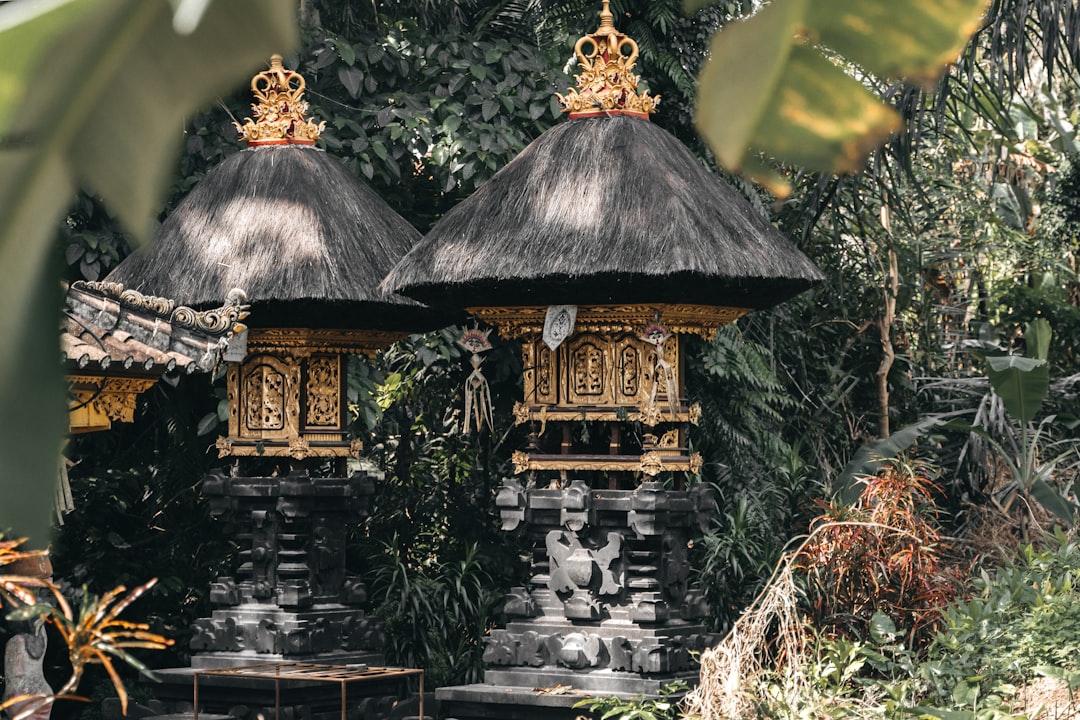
{"x":601,"y":248}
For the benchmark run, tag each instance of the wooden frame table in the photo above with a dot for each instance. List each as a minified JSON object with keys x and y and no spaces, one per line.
{"x":343,"y":675}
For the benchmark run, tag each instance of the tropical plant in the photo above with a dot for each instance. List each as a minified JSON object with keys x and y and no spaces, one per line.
{"x":436,"y":615}
{"x":883,"y":554}
{"x":95,"y":635}
{"x":1022,"y":383}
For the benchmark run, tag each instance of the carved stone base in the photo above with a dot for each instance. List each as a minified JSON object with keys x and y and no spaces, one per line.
{"x":250,"y":634}
{"x":292,"y":599}
{"x":597,"y":657}
{"x":611,"y":609}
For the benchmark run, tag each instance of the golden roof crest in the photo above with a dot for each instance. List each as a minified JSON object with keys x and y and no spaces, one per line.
{"x":279,"y":109}
{"x":607,"y":83}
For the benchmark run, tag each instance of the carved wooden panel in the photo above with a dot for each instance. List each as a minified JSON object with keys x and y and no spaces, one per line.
{"x":541,"y":383}
{"x":597,"y":369}
{"x":323,"y":393}
{"x":588,"y":373}
{"x":267,"y":396}
{"x":628,"y":354}
{"x":264,"y":398}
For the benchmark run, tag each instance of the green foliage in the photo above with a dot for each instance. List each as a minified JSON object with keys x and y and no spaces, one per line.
{"x":437,"y":562}
{"x":1022,"y":618}
{"x":436,"y":614}
{"x":663,"y":707}
{"x":437,"y":494}
{"x":139,"y":511}
{"x":426,"y":113}
{"x":761,"y":480}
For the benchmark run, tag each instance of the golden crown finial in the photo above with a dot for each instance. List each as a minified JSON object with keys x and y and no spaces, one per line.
{"x":279,"y":109}
{"x":607,"y":84}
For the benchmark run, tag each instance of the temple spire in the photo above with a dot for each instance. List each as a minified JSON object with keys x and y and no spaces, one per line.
{"x":607,"y":84}
{"x":279,"y":109}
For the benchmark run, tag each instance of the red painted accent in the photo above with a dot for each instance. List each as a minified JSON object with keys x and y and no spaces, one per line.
{"x":602,"y":113}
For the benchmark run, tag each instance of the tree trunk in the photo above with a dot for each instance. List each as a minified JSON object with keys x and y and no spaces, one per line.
{"x":890,"y":286}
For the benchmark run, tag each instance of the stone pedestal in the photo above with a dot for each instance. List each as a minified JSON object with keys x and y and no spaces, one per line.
{"x":291,"y":599}
{"x":610,"y":609}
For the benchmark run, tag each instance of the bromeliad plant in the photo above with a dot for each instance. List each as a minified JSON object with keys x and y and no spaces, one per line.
{"x":95,"y":635}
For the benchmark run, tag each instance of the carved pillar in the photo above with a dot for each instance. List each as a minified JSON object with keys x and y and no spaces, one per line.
{"x":610,"y":607}
{"x":291,"y":598}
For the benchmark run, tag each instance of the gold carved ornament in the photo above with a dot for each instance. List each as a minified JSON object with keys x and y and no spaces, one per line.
{"x":303,"y":342}
{"x":607,"y":84}
{"x":527,"y":322}
{"x":525,"y":413}
{"x":650,"y":463}
{"x":279,"y":109}
{"x":113,"y":398}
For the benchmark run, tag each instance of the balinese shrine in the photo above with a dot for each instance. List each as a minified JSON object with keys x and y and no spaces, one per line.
{"x":601,"y":248}
{"x":310,"y":244}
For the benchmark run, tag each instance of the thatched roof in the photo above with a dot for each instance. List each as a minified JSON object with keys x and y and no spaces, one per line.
{"x":306,"y":239}
{"x":604,"y":210}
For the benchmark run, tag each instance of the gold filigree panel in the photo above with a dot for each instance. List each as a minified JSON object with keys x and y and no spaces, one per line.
{"x":323,"y":392}
{"x":650,"y":463}
{"x":544,"y":413}
{"x":286,"y":404}
{"x":110,"y":398}
{"x":263,"y":399}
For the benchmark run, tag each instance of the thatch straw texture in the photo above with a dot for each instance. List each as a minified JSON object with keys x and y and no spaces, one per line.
{"x":306,"y":240}
{"x":604,"y":210}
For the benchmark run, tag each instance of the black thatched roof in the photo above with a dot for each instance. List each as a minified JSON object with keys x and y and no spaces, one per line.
{"x":610,"y":209}
{"x":306,"y":239}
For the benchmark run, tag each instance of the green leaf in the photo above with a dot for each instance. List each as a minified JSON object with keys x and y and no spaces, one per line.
{"x":767,"y":88}
{"x":913,"y":39}
{"x":489,"y":109}
{"x":1021,"y":382}
{"x":882,"y":628}
{"x":352,"y":79}
{"x":870,"y":457}
{"x":479,"y":72}
{"x":347,"y":53}
{"x":208,"y":422}
{"x":106,"y":112}
{"x":1037,"y":336}
{"x":452,"y":123}
{"x":731,"y":102}
{"x":821,"y":118}
{"x":39,"y":24}
{"x":28,"y":612}
{"x":1052,"y":500}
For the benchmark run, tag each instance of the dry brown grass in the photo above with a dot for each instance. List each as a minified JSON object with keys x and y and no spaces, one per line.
{"x":769,"y":637}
